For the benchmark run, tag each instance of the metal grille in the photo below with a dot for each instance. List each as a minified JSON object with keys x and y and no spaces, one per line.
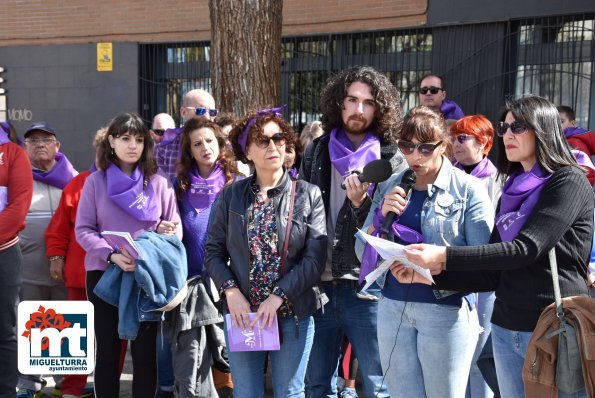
{"x":482,"y":65}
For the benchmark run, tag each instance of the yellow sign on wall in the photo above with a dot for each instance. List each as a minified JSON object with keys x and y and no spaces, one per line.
{"x":104,"y":57}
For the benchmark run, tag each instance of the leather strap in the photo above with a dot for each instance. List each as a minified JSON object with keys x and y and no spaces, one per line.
{"x":287,"y":229}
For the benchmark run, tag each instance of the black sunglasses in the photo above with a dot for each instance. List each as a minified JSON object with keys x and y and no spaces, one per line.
{"x":461,"y":138}
{"x":431,"y":89}
{"x":159,"y":132}
{"x":516,"y":127}
{"x":425,"y":149}
{"x":201,"y":110}
{"x":263,"y":141}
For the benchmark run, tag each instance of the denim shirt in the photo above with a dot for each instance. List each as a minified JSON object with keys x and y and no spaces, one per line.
{"x":457,"y":212}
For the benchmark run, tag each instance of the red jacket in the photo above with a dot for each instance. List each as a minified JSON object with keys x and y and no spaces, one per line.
{"x":59,"y":236}
{"x":586,"y":143}
{"x":16,"y":176}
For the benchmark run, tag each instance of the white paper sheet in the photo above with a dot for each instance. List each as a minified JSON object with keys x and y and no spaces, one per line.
{"x":390,"y":252}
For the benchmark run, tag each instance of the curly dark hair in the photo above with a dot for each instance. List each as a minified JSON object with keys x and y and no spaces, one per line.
{"x":135,"y":126}
{"x":389,"y":115}
{"x":255,"y":129}
{"x":187,"y":162}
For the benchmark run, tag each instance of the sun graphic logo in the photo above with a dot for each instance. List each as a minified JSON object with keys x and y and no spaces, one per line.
{"x":56,"y":337}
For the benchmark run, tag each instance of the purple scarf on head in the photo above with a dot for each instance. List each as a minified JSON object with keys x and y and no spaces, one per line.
{"x":403,"y":232}
{"x":519,"y":196}
{"x":484,"y":169}
{"x":203,"y":191}
{"x":170,"y":135}
{"x":572,"y":131}
{"x":450,"y":110}
{"x":4,"y":133}
{"x":128,"y":193}
{"x":59,"y":175}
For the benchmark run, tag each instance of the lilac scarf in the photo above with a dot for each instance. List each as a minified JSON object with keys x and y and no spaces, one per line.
{"x":204,"y":191}
{"x":484,"y":169}
{"x":583,"y":159}
{"x":59,"y":175}
{"x":293,"y":173}
{"x":519,"y":196}
{"x":403,"y":232}
{"x":450,"y":110}
{"x":4,"y":133}
{"x":170,"y":135}
{"x":572,"y":131}
{"x":128,"y":193}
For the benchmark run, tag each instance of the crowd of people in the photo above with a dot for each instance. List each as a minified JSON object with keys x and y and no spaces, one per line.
{"x":255,"y":226}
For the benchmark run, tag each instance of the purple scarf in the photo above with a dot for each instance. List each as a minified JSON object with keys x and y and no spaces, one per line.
{"x":293,"y":173}
{"x":519,"y":196}
{"x":243,"y":138}
{"x":403,"y":232}
{"x":204,"y":191}
{"x":583,"y":159}
{"x":572,"y":131}
{"x":170,"y":135}
{"x":484,"y":169}
{"x":4,"y":133}
{"x":128,"y":193}
{"x":450,"y":110}
{"x":59,"y":175}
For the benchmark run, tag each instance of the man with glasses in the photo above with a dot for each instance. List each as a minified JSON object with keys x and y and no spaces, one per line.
{"x":197,"y":103}
{"x":42,"y":277}
{"x":361,"y":116}
{"x":161,"y":123}
{"x":432,"y":93}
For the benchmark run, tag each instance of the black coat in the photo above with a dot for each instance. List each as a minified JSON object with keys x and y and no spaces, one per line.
{"x":227,"y":253}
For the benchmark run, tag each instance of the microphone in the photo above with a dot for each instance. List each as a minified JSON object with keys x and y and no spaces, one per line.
{"x":406,"y":183}
{"x":376,"y":171}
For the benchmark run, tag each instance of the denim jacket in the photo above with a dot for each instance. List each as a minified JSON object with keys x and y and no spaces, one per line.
{"x":457,"y":212}
{"x":157,"y":284}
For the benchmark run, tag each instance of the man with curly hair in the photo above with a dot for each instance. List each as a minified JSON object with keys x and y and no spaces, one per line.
{"x":361,"y":117}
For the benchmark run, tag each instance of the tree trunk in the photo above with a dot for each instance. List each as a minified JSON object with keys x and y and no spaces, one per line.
{"x":246,"y":53}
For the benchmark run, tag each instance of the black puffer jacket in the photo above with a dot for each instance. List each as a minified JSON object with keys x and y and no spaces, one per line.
{"x":227,"y":254}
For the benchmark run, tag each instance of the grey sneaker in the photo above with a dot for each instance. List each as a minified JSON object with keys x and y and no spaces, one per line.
{"x":348,"y":393}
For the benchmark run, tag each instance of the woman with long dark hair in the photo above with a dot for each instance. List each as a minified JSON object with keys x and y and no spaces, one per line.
{"x":547,"y":202}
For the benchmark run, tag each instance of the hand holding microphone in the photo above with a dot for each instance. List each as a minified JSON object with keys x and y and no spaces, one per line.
{"x":357,"y":184}
{"x":395,"y":202}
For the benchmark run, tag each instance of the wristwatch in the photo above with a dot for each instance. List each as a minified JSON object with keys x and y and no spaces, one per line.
{"x":53,"y":258}
{"x":109,"y":256}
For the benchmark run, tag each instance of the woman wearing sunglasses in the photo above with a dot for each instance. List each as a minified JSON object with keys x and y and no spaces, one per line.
{"x":427,"y":338}
{"x":547,"y":202}
{"x":262,"y":266}
{"x":471,"y":139}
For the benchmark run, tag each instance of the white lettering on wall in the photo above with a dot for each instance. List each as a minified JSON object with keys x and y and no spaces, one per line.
{"x":20,"y":115}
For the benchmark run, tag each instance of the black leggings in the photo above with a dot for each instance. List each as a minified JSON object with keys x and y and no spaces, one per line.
{"x":143,"y":349}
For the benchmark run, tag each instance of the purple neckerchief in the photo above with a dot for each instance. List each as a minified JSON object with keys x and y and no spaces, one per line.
{"x":583,"y":159}
{"x":403,"y":232}
{"x":519,"y":196}
{"x":484,"y":169}
{"x":450,"y":110}
{"x":128,"y":193}
{"x":59,"y":175}
{"x":293,"y":173}
{"x":93,"y":168}
{"x":4,"y":133}
{"x":170,"y":135}
{"x":243,"y":139}
{"x":203,"y":191}
{"x":572,"y":131}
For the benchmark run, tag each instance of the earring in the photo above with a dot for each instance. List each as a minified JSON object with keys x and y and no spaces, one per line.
{"x":112,"y":152}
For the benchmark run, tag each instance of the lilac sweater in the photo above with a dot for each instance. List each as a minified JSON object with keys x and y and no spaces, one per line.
{"x":97,"y":212}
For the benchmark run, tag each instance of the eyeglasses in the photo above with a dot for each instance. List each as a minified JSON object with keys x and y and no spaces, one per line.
{"x":263,"y":141}
{"x":159,"y":132}
{"x":461,"y":138}
{"x":201,"y":110}
{"x":44,"y":141}
{"x":431,"y":89}
{"x":515,"y":127}
{"x":425,"y":149}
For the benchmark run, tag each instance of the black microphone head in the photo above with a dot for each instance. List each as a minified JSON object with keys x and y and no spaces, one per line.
{"x":376,"y":171}
{"x":408,"y":179}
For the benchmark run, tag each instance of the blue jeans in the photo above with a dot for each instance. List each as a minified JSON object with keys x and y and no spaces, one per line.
{"x":288,"y":364}
{"x":345,"y":314}
{"x":165,"y":369}
{"x":426,"y":349}
{"x":10,"y":268}
{"x":509,"y":353}
{"x":477,"y":387}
